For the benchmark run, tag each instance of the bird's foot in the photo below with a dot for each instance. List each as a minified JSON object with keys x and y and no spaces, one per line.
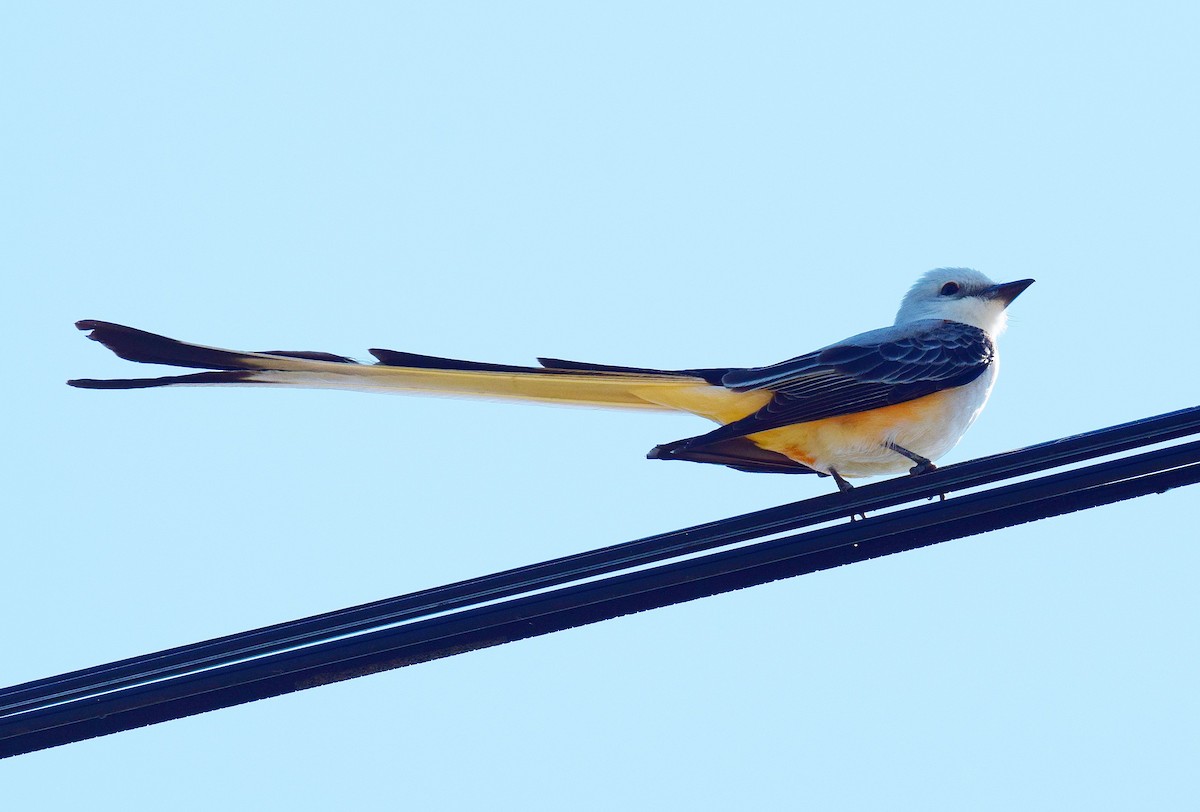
{"x":923,"y":464}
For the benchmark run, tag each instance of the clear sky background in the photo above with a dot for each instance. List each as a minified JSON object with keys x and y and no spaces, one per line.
{"x":658,"y":184}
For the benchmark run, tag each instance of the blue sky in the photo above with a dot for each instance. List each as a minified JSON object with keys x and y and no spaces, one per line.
{"x":657,"y":184}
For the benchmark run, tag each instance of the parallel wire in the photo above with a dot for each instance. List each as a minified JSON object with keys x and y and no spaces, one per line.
{"x":289,"y":656}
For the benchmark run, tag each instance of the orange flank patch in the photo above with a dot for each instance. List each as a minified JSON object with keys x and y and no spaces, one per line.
{"x":799,"y":456}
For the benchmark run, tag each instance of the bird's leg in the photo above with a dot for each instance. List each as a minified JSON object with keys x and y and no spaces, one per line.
{"x":923,"y":464}
{"x":845,"y":487}
{"x":842,"y":484}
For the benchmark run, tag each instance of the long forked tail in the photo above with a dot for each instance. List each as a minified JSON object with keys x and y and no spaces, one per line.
{"x":696,"y":391}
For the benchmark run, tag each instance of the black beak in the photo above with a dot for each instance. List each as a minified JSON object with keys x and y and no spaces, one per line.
{"x":1007,"y":291}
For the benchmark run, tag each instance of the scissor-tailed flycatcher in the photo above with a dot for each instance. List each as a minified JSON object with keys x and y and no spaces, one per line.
{"x":881,"y":402}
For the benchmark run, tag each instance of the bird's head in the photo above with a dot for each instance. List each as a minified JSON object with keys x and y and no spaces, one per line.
{"x":962,"y":295}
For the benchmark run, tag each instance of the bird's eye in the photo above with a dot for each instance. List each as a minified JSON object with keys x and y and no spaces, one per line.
{"x":949,"y":289}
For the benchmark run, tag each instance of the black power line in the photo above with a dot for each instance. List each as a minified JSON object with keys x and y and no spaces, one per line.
{"x":567,"y":592}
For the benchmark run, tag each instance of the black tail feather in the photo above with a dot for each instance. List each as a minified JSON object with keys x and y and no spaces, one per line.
{"x":310,"y":355}
{"x":398,"y":358}
{"x":738,"y":453}
{"x":228,"y":376}
{"x":712,"y":376}
{"x":412,"y":360}
{"x":151,"y":348}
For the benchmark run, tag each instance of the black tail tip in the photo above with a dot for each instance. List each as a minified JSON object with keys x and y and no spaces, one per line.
{"x":95,"y":329}
{"x":662,"y":452}
{"x":105,"y":383}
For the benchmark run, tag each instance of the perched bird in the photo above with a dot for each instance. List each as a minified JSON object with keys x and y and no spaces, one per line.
{"x":880,"y":402}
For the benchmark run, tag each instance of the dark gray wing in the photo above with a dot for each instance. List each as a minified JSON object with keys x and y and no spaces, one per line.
{"x":869,"y":371}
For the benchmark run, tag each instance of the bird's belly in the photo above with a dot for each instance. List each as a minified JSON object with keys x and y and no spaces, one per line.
{"x":855,"y":445}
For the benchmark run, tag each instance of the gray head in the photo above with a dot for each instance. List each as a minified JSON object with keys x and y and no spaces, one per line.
{"x":963,"y":295}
